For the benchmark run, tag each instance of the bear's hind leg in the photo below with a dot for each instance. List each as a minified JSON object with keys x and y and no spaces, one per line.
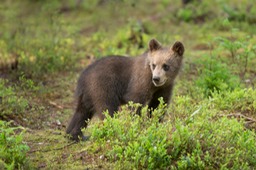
{"x":79,"y":121}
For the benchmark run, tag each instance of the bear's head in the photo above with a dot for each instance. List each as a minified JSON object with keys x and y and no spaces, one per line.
{"x":164,"y":63}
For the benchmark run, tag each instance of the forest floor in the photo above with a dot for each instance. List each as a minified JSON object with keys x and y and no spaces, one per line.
{"x":45,"y":45}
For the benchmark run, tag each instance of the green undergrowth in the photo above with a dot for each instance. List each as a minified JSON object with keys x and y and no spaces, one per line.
{"x":203,"y":139}
{"x":51,"y":150}
{"x":15,"y":98}
{"x":12,"y":148}
{"x":11,"y":103}
{"x":204,"y":134}
{"x":215,"y":76}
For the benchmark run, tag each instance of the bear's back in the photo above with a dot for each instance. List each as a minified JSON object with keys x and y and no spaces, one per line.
{"x":107,"y":75}
{"x":109,"y":68}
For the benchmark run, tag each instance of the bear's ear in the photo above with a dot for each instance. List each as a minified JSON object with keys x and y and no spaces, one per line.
{"x":154,"y":45}
{"x":178,"y":48}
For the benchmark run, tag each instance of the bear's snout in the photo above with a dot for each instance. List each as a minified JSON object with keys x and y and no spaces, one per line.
{"x":156,"y":80}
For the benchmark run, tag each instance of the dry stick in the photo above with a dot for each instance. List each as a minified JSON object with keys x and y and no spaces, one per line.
{"x":243,"y":116}
{"x":56,"y":105}
{"x":59,"y":148}
{"x":239,"y":115}
{"x":246,"y":63}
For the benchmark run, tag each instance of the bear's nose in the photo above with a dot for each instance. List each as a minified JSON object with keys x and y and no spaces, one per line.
{"x":156,"y":79}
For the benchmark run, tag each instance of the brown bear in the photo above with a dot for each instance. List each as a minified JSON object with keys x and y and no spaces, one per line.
{"x":115,"y":80}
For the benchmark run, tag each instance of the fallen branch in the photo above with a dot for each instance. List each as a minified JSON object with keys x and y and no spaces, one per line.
{"x":239,"y":115}
{"x":54,"y":149}
{"x":55,"y":104}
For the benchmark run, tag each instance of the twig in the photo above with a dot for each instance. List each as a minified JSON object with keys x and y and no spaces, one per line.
{"x":56,"y":105}
{"x":47,"y":150}
{"x":239,"y":115}
{"x":247,"y":119}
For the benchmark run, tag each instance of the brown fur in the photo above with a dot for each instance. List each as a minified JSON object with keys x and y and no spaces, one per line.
{"x":113,"y":81}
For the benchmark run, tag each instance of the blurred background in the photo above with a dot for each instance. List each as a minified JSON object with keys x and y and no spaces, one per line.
{"x":47,"y":36}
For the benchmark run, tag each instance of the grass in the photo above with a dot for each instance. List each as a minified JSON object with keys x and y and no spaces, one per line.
{"x":210,"y":123}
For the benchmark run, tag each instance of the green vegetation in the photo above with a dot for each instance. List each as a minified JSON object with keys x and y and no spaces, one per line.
{"x":11,"y":103}
{"x":142,"y":145}
{"x":210,"y":123}
{"x":196,"y":142}
{"x":12,"y":149}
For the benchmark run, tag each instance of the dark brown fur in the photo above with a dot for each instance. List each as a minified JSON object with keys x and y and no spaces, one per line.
{"x":113,"y":81}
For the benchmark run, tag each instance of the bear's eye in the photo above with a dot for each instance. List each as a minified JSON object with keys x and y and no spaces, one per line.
{"x":166,"y":67}
{"x":153,"y":66}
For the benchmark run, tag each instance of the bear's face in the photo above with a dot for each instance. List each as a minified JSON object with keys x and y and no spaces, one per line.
{"x":164,"y":63}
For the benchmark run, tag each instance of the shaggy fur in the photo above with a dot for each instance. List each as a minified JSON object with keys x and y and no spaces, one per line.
{"x":115,"y":80}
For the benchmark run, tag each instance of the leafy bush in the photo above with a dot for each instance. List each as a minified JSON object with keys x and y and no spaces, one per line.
{"x":242,"y":51}
{"x":12,"y":149}
{"x":11,"y":103}
{"x":215,"y":144}
{"x":241,"y":13}
{"x":198,"y":11}
{"x":136,"y":141}
{"x":200,"y":141}
{"x":236,"y":100}
{"x":47,"y":58}
{"x":128,"y":40}
{"x":215,"y":76}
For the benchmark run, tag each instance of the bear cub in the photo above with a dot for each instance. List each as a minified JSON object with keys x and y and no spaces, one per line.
{"x":115,"y":80}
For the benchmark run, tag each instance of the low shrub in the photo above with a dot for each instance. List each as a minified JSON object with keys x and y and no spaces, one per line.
{"x":10,"y":102}
{"x":215,"y":76}
{"x":12,"y":149}
{"x":240,"y":100}
{"x":202,"y":140}
{"x":240,"y":13}
{"x":47,"y":57}
{"x":242,"y":51}
{"x":197,"y":11}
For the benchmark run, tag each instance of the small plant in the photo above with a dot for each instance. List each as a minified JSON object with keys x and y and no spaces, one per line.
{"x":46,"y":58}
{"x":215,"y":76}
{"x":27,"y":84}
{"x":197,"y":11}
{"x":12,"y":149}
{"x":241,"y":13}
{"x":231,"y":46}
{"x":10,"y":102}
{"x":234,"y":14}
{"x":238,"y":100}
{"x":185,"y":14}
{"x":241,"y":51}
